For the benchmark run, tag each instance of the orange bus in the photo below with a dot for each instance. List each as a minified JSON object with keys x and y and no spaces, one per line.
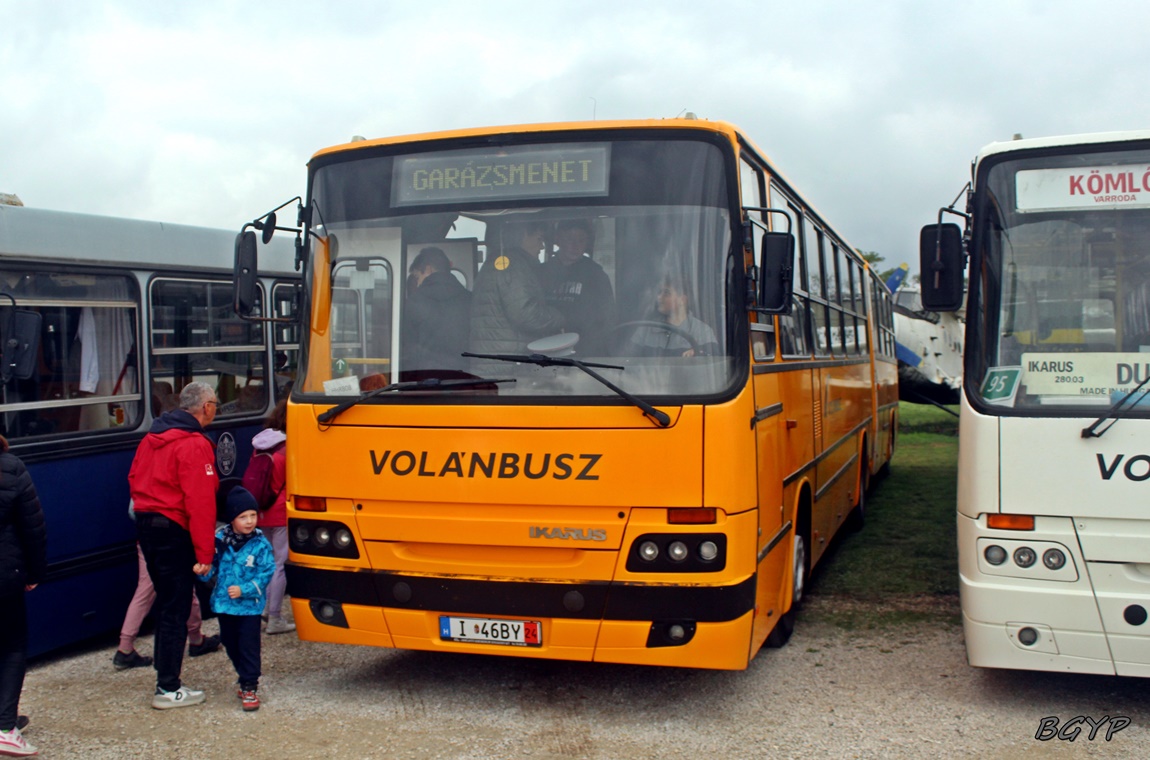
{"x":591,"y":391}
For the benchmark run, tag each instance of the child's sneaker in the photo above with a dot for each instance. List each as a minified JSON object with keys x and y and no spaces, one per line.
{"x":249,"y":700}
{"x":121,"y":661}
{"x":12,"y":744}
{"x":207,"y":646}
{"x":181,"y":697}
{"x":279,"y":625}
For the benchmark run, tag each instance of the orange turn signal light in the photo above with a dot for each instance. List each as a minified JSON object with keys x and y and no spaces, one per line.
{"x":1010,"y":522}
{"x":310,"y":503}
{"x":691,"y":516}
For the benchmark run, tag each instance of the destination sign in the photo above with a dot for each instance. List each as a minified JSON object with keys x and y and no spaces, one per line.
{"x":557,"y":171}
{"x":1102,"y":187}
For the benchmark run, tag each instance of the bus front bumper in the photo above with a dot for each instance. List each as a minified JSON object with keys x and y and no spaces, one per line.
{"x":687,"y":626}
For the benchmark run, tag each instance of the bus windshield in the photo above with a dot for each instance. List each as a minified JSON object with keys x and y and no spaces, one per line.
{"x":1061,"y":250}
{"x":613,"y":252}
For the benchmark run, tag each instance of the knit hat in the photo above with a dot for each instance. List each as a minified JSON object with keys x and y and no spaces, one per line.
{"x":239,"y":500}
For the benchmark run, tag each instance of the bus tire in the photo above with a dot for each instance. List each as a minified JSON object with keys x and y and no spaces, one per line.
{"x":857,"y":518}
{"x":890,"y":444}
{"x":783,"y":629}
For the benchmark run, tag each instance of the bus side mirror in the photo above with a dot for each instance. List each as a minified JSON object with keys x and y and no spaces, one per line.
{"x":776,"y":267}
{"x":245,"y":275}
{"x":269,"y":228}
{"x":942,"y":267}
{"x":21,"y":345}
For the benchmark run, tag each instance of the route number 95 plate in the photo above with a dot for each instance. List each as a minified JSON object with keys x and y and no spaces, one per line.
{"x":515,"y":633}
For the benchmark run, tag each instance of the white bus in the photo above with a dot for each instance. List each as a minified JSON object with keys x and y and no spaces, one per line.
{"x":1054,"y":453}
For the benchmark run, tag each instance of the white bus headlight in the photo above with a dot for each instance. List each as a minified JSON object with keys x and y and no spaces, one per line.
{"x":995,"y":554}
{"x":1024,"y":556}
{"x":1054,"y":559}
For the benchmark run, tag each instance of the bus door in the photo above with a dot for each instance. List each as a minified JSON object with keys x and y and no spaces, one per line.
{"x":776,"y":529}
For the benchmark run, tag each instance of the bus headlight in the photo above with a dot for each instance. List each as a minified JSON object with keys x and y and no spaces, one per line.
{"x":995,"y":554}
{"x":325,"y":538}
{"x":1031,"y":558}
{"x":678,"y":553}
{"x":1024,"y":556}
{"x":1054,"y":559}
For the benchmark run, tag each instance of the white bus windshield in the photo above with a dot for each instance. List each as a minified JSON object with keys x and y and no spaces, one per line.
{"x":1062,"y":260}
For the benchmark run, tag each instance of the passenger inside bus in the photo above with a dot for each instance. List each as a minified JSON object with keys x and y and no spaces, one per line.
{"x":164,"y":398}
{"x":578,"y":287}
{"x":508,"y":307}
{"x":438,"y":308}
{"x":680,"y":333}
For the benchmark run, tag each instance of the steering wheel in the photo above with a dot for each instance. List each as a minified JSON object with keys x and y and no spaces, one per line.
{"x":631,"y":327}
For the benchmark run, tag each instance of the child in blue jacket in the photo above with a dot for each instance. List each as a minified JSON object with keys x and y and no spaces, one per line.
{"x":243,"y":566}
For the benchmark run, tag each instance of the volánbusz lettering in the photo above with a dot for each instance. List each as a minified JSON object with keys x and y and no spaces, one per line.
{"x":490,"y":465}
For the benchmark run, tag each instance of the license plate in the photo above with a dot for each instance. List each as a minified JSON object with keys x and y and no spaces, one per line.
{"x":515,"y":633}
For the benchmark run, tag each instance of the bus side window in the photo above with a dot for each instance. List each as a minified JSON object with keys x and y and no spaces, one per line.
{"x":763,"y":342}
{"x":792,"y":329}
{"x":86,"y":372}
{"x":195,"y":336}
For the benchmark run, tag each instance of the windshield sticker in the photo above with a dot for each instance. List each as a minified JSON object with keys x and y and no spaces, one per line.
{"x":1001,"y":385}
{"x":560,"y":171}
{"x":1104,"y":187}
{"x":1085,"y":375}
{"x":342,"y":386}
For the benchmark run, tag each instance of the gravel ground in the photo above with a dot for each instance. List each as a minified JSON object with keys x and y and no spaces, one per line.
{"x":906,"y":692}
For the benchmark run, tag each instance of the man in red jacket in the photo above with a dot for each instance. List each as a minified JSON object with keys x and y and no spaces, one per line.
{"x":173,"y":483}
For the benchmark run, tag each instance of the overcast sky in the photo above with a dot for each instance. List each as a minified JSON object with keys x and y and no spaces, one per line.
{"x":206,"y":113}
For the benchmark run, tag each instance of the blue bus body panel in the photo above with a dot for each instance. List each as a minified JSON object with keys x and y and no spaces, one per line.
{"x":91,"y":549}
{"x":92,"y":564}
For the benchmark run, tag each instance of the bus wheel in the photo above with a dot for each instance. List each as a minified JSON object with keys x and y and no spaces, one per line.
{"x":783,"y":629}
{"x":858,"y":515}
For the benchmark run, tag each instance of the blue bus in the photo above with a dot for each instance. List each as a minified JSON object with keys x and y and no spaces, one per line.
{"x":130,"y":312}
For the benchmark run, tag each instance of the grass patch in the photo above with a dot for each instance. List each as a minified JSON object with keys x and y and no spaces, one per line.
{"x":926,"y":418}
{"x":902,"y":567}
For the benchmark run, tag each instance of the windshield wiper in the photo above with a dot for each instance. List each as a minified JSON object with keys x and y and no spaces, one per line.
{"x":427,"y":384}
{"x":565,"y":361}
{"x":1089,"y":432}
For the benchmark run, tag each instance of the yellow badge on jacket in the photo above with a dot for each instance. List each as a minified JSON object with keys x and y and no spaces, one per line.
{"x":502,"y":263}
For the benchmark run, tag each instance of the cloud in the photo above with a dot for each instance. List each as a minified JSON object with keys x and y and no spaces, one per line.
{"x":206,"y":113}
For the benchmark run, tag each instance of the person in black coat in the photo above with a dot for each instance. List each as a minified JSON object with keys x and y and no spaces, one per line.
{"x":435,"y":326}
{"x":23,"y":563}
{"x":579,"y":288}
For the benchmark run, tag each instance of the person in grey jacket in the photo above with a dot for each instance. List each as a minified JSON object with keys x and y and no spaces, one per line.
{"x":23,"y":564}
{"x":508,"y":306}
